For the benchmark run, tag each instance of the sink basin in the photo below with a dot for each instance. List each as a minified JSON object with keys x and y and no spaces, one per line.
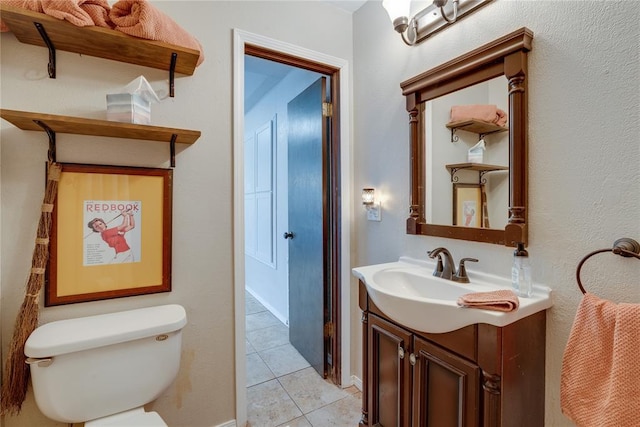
{"x":408,"y":293}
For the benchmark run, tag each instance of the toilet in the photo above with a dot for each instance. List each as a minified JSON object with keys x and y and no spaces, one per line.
{"x":102,"y":370}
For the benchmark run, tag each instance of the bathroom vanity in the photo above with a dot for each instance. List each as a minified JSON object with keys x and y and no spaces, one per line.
{"x":479,"y":375}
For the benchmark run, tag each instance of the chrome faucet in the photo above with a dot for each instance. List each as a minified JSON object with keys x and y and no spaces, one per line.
{"x":446,"y":268}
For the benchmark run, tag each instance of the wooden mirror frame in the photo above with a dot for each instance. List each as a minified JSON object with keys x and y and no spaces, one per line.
{"x":505,"y":56}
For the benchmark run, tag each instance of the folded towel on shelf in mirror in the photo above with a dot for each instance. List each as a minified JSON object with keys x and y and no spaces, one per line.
{"x":486,"y":113}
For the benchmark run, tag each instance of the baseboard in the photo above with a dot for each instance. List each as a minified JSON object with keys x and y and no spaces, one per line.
{"x":356,"y":382}
{"x":231,"y":423}
{"x":281,"y":317}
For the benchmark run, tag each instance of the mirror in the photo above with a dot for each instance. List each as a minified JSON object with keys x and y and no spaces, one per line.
{"x":463,"y":187}
{"x":482,"y":200}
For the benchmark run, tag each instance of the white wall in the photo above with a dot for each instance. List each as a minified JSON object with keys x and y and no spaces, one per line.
{"x":584,"y":183}
{"x":270,"y":284}
{"x":204,"y":393}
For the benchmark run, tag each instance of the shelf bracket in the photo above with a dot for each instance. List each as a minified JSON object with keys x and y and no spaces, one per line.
{"x":172,"y":74}
{"x":481,"y":179}
{"x":453,"y":171}
{"x":172,"y":147}
{"x":51,"y":154}
{"x":454,"y":137}
{"x":51,"y":67}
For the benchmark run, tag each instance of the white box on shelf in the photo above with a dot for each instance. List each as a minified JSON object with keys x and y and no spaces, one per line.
{"x":128,"y":108}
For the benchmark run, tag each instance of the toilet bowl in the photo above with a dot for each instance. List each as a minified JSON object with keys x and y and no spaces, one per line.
{"x":102,"y":370}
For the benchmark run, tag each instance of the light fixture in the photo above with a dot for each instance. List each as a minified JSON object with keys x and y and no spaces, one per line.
{"x":371,"y":204}
{"x":428,"y":20}
{"x":368,"y":196}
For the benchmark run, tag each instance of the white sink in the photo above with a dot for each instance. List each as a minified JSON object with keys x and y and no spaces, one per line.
{"x":408,"y":293}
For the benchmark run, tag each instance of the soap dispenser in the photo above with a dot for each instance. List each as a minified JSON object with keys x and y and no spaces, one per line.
{"x":521,"y":272}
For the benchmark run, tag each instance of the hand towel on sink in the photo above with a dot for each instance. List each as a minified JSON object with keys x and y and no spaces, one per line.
{"x":500,"y":300}
{"x":600,"y":376}
{"x":139,"y":18}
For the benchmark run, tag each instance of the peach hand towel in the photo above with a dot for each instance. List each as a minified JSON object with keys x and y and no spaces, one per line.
{"x":139,"y":18}
{"x":75,"y":11}
{"x":486,"y":113}
{"x":32,"y":5}
{"x":600,"y":378}
{"x":82,"y":13}
{"x":500,"y":300}
{"x":98,"y":11}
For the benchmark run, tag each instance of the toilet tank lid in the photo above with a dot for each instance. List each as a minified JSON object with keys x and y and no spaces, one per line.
{"x":71,"y":335}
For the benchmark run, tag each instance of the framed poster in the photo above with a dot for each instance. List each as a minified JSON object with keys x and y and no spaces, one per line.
{"x":111,"y":234}
{"x":467,"y":205}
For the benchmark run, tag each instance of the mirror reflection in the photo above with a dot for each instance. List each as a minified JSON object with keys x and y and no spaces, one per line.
{"x":467,"y":156}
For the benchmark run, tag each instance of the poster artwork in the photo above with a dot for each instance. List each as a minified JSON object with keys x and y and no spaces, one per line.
{"x":112,"y":232}
{"x":470,"y":210}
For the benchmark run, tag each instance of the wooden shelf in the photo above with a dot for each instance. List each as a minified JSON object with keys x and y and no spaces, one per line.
{"x":477,"y":167}
{"x":482,"y":169}
{"x":80,"y":126}
{"x":476,"y":126}
{"x":97,"y":41}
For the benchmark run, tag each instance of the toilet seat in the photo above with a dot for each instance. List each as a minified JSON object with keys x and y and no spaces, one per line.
{"x":133,"y":418}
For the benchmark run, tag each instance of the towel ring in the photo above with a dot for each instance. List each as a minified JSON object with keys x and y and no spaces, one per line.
{"x":624,"y":246}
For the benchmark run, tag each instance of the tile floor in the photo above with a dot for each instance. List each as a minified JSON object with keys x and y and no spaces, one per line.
{"x":282,"y":388}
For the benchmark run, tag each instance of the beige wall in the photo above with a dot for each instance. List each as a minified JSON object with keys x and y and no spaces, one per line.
{"x":584,"y":184}
{"x":204,"y":393}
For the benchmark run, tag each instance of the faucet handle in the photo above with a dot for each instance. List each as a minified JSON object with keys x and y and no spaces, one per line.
{"x":461,"y":275}
{"x":439,"y":267}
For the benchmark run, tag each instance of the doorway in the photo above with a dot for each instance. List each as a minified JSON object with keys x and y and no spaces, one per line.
{"x":290,"y":191}
{"x":338,"y":273}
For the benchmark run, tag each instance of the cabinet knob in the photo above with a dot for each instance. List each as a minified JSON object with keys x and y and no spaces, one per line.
{"x":412,"y":359}
{"x":288,"y":235}
{"x":401,"y":352}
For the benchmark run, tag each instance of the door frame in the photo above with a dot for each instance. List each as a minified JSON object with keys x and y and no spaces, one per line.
{"x":241,"y":40}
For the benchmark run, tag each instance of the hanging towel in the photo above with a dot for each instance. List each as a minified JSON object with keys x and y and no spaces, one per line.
{"x":139,"y":18}
{"x":486,"y":113}
{"x":500,"y":300}
{"x":600,"y":379}
{"x":82,"y":13}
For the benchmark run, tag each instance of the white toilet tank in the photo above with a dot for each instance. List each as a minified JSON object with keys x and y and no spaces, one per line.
{"x":91,"y":367}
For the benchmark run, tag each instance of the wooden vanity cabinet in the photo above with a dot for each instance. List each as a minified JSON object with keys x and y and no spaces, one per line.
{"x":480,"y":375}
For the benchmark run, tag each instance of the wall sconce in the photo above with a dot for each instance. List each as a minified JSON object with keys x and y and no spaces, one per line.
{"x":429,"y":20}
{"x":370,"y":203}
{"x":368,"y":196}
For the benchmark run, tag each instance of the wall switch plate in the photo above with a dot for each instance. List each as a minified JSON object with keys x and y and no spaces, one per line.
{"x":374,"y":212}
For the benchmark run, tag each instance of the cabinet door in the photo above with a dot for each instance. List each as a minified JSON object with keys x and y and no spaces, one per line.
{"x":389,"y":376}
{"x":446,"y":388}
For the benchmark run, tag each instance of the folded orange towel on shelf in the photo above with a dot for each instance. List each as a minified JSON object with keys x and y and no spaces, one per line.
{"x":32,"y":5}
{"x":98,"y":11}
{"x":76,"y":12}
{"x":82,"y":13}
{"x":486,"y":113}
{"x":139,"y":18}
{"x":500,"y":300}
{"x":600,"y":378}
